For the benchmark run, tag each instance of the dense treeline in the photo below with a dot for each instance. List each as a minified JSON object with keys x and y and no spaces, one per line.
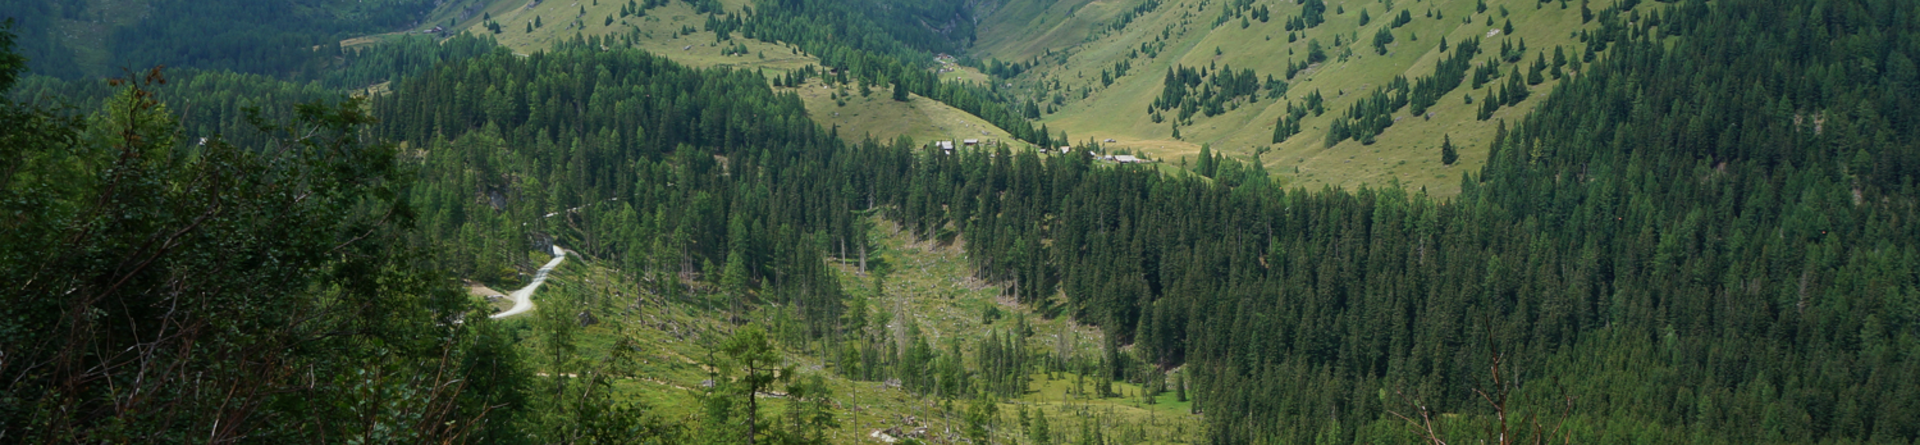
{"x":172,"y":289}
{"x":310,"y":267}
{"x":397,"y":58}
{"x":678,"y":174}
{"x":905,"y":30}
{"x":255,"y":36}
{"x":1704,"y":235}
{"x":251,"y":36}
{"x":218,"y":102}
{"x":208,"y":103}
{"x":705,"y":187}
{"x":34,"y":22}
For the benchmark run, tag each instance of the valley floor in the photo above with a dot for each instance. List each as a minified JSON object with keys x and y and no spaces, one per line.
{"x":930,"y":284}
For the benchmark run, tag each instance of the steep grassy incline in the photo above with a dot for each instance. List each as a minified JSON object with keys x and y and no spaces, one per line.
{"x":1070,"y":43}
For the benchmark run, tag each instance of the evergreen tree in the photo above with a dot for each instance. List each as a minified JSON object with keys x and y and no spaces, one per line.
{"x":752,"y":366}
{"x":1040,"y":434}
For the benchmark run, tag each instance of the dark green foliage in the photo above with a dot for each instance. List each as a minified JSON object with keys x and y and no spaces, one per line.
{"x":1288,"y":125}
{"x":1706,"y":233}
{"x":1600,"y":281}
{"x":751,"y":368}
{"x":12,"y":64}
{"x":1533,"y":71}
{"x":1772,"y":279}
{"x":1559,"y":60}
{"x":1381,"y":40}
{"x":1370,"y":116}
{"x":888,"y":27}
{"x":1004,"y":363}
{"x":149,"y":266}
{"x":1194,"y":90}
{"x":253,"y":36}
{"x":646,"y":185}
{"x":898,"y":39}
{"x":1516,"y":89}
{"x":1312,"y":14}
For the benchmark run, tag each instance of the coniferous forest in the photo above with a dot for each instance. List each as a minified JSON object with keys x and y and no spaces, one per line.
{"x":1705,"y":234}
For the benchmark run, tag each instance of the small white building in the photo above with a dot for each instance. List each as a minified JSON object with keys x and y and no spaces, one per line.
{"x":970,"y":142}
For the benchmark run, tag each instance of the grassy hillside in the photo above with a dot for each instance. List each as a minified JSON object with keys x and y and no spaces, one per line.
{"x":927,"y":283}
{"x":662,"y":30}
{"x":877,"y":114}
{"x":1074,"y":40}
{"x":659,"y":30}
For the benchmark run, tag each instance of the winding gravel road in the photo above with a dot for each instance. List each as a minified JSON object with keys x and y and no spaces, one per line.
{"x":523,"y":298}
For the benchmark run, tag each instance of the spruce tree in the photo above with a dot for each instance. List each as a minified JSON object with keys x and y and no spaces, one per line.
{"x":1534,"y":72}
{"x":1040,"y":434}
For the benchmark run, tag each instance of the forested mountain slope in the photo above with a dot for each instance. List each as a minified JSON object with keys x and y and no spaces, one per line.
{"x":1702,"y":235}
{"x":94,"y":38}
{"x":310,"y":266}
